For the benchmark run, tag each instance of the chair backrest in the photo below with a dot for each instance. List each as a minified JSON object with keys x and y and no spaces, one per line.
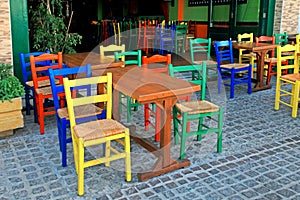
{"x":281,"y":38}
{"x":167,"y":38}
{"x":185,"y":72}
{"x":117,"y":32}
{"x":245,"y":37}
{"x":287,"y":53}
{"x":224,"y":52}
{"x":181,"y":28}
{"x":200,"y":47}
{"x":25,"y":64}
{"x":76,"y":72}
{"x":55,"y":61}
{"x":95,"y":98}
{"x":130,"y":57}
{"x":110,"y":49}
{"x":157,"y":62}
{"x":266,"y":39}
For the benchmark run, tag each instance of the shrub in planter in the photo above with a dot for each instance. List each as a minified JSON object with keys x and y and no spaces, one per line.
{"x":11,"y":91}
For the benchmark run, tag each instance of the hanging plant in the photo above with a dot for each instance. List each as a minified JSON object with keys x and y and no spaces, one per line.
{"x":49,"y":31}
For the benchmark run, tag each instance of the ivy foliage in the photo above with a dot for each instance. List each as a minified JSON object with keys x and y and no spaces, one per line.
{"x":10,"y":86}
{"x":49,"y":31}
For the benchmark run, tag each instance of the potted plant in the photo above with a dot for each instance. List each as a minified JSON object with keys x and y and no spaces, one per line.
{"x":49,"y":30}
{"x":11,"y":92}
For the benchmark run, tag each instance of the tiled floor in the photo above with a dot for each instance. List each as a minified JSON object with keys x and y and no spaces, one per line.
{"x":260,"y":159}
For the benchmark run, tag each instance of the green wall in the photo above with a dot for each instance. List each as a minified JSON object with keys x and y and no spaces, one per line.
{"x":246,"y":12}
{"x":19,"y":31}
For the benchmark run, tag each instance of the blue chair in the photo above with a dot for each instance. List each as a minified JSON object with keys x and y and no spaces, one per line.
{"x":129,"y":58}
{"x":27,"y":81}
{"x":62,"y":117}
{"x":237,"y":73}
{"x":167,"y":40}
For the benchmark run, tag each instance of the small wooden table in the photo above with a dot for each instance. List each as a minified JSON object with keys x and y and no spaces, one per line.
{"x":96,"y":61}
{"x":261,"y":49}
{"x":147,"y":86}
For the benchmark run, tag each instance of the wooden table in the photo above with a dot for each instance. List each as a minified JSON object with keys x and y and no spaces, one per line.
{"x":261,"y":49}
{"x":147,"y":86}
{"x":96,"y":61}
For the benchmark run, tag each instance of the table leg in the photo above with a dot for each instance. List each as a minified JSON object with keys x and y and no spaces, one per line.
{"x":165,"y":162}
{"x":260,"y":85}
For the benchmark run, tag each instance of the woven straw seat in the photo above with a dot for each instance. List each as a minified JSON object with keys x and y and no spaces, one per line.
{"x":80,"y":111}
{"x":291,"y":77}
{"x":44,"y":90}
{"x":41,"y":83}
{"x":98,"y":129}
{"x":234,"y":65}
{"x":208,"y":62}
{"x":197,"y":107}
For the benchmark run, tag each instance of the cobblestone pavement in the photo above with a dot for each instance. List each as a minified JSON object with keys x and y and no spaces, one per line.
{"x":260,"y":160}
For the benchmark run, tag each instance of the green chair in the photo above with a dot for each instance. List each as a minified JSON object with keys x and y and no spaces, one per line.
{"x":200,"y":51}
{"x":281,"y":38}
{"x":208,"y":115}
{"x":180,"y":38}
{"x":130,"y":58}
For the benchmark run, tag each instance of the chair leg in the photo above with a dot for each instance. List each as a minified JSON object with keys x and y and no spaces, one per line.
{"x":128,"y":99}
{"x":295,"y":99}
{"x":41,"y":116}
{"x":80,"y":161}
{"x":232,"y":85}
{"x":175,"y":124}
{"x":146,"y":116}
{"x":157,"y":124}
{"x":183,"y":136}
{"x":27,"y":101}
{"x":200,"y":126}
{"x":63,"y":141}
{"x":127,"y":158}
{"x":220,"y":125}
{"x":249,"y":80}
{"x":107,"y":153}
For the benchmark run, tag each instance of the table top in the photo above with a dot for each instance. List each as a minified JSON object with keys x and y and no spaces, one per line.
{"x":93,"y":58}
{"x":147,"y":86}
{"x":253,"y":46}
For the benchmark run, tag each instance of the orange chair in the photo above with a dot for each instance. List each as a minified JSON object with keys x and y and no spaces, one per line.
{"x":41,"y":84}
{"x":271,"y":60}
{"x":156,"y":63}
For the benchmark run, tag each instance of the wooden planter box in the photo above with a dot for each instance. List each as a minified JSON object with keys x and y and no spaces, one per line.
{"x":10,"y":116}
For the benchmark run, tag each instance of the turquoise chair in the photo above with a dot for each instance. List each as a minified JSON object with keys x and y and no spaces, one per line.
{"x":202,"y":111}
{"x":130,"y":58}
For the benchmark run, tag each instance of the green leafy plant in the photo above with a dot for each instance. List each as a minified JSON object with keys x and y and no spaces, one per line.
{"x":10,"y":86}
{"x":49,"y":31}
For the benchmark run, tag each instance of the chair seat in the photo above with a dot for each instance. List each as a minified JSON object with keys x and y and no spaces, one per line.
{"x":197,"y":107}
{"x":80,"y":111}
{"x":208,"y":62}
{"x":41,"y":83}
{"x":291,"y":77}
{"x":249,"y":55}
{"x":44,"y":90}
{"x":270,"y":60}
{"x":98,"y":129}
{"x":234,"y":65}
{"x":190,"y":36}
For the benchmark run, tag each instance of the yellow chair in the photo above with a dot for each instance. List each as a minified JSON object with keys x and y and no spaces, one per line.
{"x":110,"y":49}
{"x":96,"y":132}
{"x":246,"y":56}
{"x":287,"y":85}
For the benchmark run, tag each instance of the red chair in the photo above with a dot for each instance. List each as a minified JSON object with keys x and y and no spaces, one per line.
{"x":271,"y":60}
{"x":41,"y":84}
{"x":156,"y":63}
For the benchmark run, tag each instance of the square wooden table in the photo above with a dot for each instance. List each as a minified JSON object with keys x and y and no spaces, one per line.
{"x":94,"y":59}
{"x":147,"y":86}
{"x":261,"y":49}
